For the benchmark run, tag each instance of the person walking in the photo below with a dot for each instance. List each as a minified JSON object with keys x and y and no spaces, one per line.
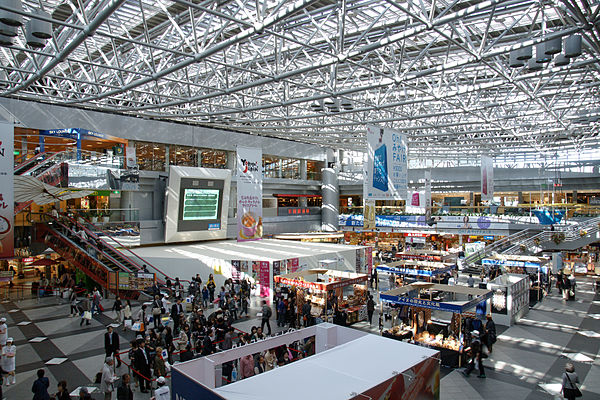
{"x":96,"y":298}
{"x":86,"y":308}
{"x":281,"y":313}
{"x":111,"y":344}
{"x":118,"y":309}
{"x":108,"y":378}
{"x":370,"y":308}
{"x":40,"y":386}
{"x":476,"y":356}
{"x":266,"y":316}
{"x":156,"y":311}
{"x":570,"y":380}
{"x":73,"y":302}
{"x":124,"y":391}
{"x":9,"y":352}
{"x":490,"y":333}
{"x":176,"y":313}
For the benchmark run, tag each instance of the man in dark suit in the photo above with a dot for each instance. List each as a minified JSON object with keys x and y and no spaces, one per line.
{"x":176,"y":311}
{"x":111,"y":344}
{"x":142,"y":365}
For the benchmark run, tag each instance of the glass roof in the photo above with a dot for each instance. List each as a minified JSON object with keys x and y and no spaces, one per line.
{"x":319,"y":71}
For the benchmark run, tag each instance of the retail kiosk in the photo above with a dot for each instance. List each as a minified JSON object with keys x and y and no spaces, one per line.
{"x":349,"y":289}
{"x":413,"y":317}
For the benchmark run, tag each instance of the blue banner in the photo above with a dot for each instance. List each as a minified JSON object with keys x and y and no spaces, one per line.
{"x":435,"y":305}
{"x":414,"y":271}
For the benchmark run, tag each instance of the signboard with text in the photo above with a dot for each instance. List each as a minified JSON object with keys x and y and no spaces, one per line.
{"x":249,"y":194}
{"x":7,"y":202}
{"x":386,"y":169}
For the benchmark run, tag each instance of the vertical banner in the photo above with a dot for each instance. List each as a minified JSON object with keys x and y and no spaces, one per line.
{"x":264,"y":278}
{"x":7,"y":202}
{"x":276,"y":268}
{"x":487,"y":178}
{"x":130,"y":155}
{"x":292,"y":265}
{"x":369,"y":215}
{"x":235,"y":270}
{"x":387,"y":164}
{"x":249,"y":194}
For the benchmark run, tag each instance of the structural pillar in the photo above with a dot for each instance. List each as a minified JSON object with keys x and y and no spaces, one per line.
{"x":167,"y":163}
{"x":575,"y":196}
{"x":303,"y":171}
{"x":520,"y":200}
{"x":127,"y":205}
{"x":231,"y":161}
{"x":330,"y":210}
{"x":302,"y":202}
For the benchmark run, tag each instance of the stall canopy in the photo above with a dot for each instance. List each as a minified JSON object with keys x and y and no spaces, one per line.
{"x":409,"y":295}
{"x":515,"y":261}
{"x":321,"y":279}
{"x":416,"y":268}
{"x":341,"y":373}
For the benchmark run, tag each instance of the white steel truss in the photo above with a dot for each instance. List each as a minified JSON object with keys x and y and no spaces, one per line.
{"x":435,"y":69}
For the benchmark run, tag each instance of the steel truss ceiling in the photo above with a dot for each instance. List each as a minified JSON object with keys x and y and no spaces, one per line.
{"x":435,"y":69}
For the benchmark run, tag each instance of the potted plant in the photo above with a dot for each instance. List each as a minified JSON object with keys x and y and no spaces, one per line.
{"x":558,"y":237}
{"x":94,"y":216}
{"x":105,"y":215}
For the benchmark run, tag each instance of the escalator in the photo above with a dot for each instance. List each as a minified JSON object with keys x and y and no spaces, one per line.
{"x":30,"y":163}
{"x":91,"y":257}
{"x":112,"y":247}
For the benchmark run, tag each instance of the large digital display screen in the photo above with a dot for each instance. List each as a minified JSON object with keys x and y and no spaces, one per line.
{"x":200,"y":204}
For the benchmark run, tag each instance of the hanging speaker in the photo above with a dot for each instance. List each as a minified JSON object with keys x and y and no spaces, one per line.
{"x":33,"y":41}
{"x":8,"y":30}
{"x":561,"y":60}
{"x":540,"y":54}
{"x":524,"y":53}
{"x":514,"y":61}
{"x":9,"y":17}
{"x":573,"y":46}
{"x":553,"y":46}
{"x":39,"y":28}
{"x":533,"y":65}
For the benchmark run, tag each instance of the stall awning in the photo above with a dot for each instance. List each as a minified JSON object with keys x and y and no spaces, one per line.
{"x":308,"y":279}
{"x":408,"y":295}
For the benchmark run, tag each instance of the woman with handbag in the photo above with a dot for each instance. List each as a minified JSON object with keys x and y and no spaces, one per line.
{"x":156,"y":311}
{"x":570,"y":379}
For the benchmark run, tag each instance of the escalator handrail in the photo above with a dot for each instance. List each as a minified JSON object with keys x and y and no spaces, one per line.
{"x":108,"y":245}
{"x":36,"y":166}
{"x":30,"y":160}
{"x":116,"y":262}
{"x":77,"y":246}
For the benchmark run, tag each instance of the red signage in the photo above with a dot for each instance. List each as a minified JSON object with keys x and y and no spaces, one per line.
{"x":410,"y":234}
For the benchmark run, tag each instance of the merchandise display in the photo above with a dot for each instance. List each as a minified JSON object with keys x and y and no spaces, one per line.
{"x":415,"y":305}
{"x":322,"y":287}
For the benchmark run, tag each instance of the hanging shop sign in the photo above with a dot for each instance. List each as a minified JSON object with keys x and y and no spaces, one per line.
{"x":285,"y":211}
{"x":264,"y":278}
{"x":249,"y":194}
{"x":428,"y":193}
{"x":135,"y":281}
{"x":487,"y":178}
{"x":130,"y":155}
{"x":7,"y":202}
{"x":369,"y":215}
{"x":386,"y":169}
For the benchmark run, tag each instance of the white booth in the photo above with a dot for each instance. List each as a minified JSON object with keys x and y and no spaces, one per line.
{"x":510,"y":298}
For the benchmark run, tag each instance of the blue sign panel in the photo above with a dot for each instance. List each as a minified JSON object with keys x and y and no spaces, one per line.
{"x":413,"y":271}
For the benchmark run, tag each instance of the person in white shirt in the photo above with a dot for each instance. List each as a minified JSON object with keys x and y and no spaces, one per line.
{"x":108,"y":377}
{"x":162,"y":392}
{"x":9,"y":353}
{"x":3,"y":331}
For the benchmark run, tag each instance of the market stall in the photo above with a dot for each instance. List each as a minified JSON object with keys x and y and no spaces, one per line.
{"x":426,"y":269}
{"x":417,"y":315}
{"x":510,"y":298}
{"x":322,"y":286}
{"x":536,"y":267}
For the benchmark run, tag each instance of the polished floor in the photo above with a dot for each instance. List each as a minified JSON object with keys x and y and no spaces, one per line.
{"x":527,"y":362}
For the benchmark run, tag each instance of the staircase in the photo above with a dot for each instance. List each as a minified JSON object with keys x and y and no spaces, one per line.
{"x":571,"y":237}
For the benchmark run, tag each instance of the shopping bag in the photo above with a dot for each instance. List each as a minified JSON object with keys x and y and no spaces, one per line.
{"x":128,"y":323}
{"x":87,"y":315}
{"x":100,"y":307}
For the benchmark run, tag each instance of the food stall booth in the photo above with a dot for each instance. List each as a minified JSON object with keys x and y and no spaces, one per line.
{"x":348,"y":288}
{"x":417,"y":316}
{"x":416,"y":269}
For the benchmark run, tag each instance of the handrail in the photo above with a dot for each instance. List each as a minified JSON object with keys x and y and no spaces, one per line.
{"x":31,"y":170}
{"x":139,"y":267}
{"x":31,"y":159}
{"x":116,"y":262}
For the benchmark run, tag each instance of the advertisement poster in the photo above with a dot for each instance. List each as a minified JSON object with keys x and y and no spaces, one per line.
{"x":369,"y":215}
{"x":235,"y":270}
{"x":276,"y":268}
{"x":130,"y":155}
{"x":360,"y":261}
{"x":292,"y":265}
{"x":264,"y":279}
{"x":386,"y":169}
{"x":487,"y":178}
{"x":369,"y":254}
{"x":7,"y":202}
{"x":499,"y":301}
{"x":249,"y":194}
{"x":244,"y":266}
